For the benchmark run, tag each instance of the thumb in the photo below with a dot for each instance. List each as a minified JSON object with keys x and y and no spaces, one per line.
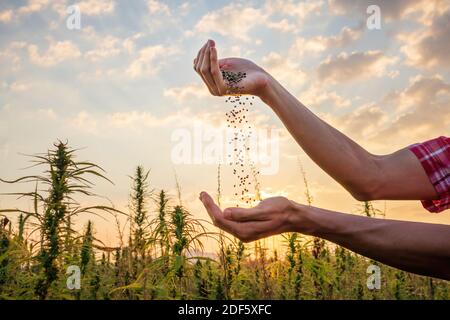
{"x":213,"y":210}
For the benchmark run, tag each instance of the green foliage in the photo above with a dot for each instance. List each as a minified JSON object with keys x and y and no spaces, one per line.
{"x":4,"y":260}
{"x":140,"y":193}
{"x":86,"y":248}
{"x":65,"y":178}
{"x":165,"y":258}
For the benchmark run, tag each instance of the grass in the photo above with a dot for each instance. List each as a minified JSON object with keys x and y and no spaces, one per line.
{"x":163,"y":257}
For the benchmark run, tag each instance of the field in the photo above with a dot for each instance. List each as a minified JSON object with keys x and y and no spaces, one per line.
{"x":43,"y":255}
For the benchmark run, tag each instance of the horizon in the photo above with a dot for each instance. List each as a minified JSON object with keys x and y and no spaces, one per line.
{"x":122,"y":84}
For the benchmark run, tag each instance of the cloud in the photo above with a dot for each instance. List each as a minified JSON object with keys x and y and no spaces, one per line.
{"x":317,"y":96}
{"x":184,"y":8}
{"x":320,"y":43}
{"x":345,"y":37}
{"x":32,"y":6}
{"x":365,"y":121}
{"x":347,"y":67}
{"x":141,"y":118}
{"x":107,"y":47}
{"x":237,"y":50}
{"x":150,"y":60}
{"x":429,"y":47}
{"x":96,"y":7}
{"x":10,"y":55}
{"x":421,"y":91}
{"x":286,"y":70}
{"x":99,"y":73}
{"x":213,"y":117}
{"x":129,"y":43}
{"x":140,"y":121}
{"x":417,"y":113}
{"x":283,"y":25}
{"x":135,"y":121}
{"x":84,"y":121}
{"x":237,"y":20}
{"x":424,"y":104}
{"x":430,"y":10}
{"x":422,"y":11}
{"x":6,"y":16}
{"x":46,"y":113}
{"x":389,"y":9}
{"x":299,"y":10}
{"x":234,"y":20}
{"x":19,"y":86}
{"x":56,"y":53}
{"x":87,"y":7}
{"x":158,"y":7}
{"x":187,"y":91}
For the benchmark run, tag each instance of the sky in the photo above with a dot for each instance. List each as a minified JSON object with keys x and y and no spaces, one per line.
{"x":122,"y":83}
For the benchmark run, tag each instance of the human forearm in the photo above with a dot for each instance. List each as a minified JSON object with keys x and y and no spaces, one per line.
{"x":415,"y":247}
{"x":334,"y":152}
{"x":366,"y":176}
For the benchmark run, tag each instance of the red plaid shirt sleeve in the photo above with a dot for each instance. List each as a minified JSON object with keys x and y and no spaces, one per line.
{"x":434,"y":155}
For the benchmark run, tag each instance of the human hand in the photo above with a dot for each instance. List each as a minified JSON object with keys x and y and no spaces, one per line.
{"x":270,"y":217}
{"x":207,"y":65}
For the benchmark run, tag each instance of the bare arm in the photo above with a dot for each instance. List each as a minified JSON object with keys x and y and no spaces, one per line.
{"x":397,"y":176}
{"x":422,"y":248}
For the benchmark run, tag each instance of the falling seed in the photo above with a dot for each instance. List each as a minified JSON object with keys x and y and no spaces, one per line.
{"x":238,"y":117}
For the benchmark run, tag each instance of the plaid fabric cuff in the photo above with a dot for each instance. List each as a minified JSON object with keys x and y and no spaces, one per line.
{"x":434,"y":155}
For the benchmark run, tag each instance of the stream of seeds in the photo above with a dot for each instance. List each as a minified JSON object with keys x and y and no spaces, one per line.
{"x":238,"y":122}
